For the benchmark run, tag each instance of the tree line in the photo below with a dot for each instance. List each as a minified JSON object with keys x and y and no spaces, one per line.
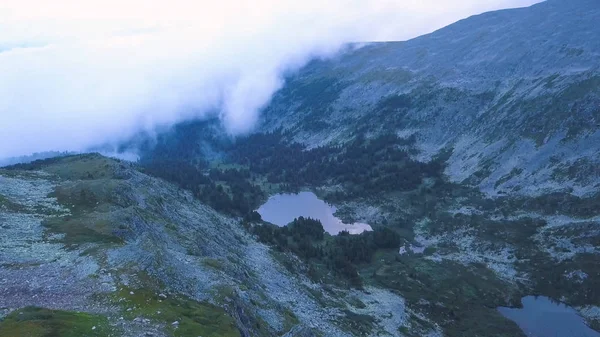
{"x":342,"y":253}
{"x":364,"y":166}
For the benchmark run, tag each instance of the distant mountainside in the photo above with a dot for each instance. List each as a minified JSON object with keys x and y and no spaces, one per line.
{"x":515,"y":93}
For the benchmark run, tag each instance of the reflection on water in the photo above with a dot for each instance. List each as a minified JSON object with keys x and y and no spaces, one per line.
{"x":281,"y":209}
{"x":541,"y":317}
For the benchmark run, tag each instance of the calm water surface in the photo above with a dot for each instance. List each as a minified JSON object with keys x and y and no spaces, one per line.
{"x":281,"y":209}
{"x":540,"y":317}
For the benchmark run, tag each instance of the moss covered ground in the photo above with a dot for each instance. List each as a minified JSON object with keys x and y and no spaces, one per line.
{"x":40,"y":322}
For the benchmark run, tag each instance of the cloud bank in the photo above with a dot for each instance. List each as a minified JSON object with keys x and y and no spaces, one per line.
{"x":75,"y":74}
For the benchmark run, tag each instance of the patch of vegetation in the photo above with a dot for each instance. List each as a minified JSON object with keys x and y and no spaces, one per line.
{"x":226,"y":190}
{"x":581,"y":170}
{"x":39,"y":322}
{"x":478,"y":176}
{"x":306,"y":238}
{"x":289,"y":319}
{"x":551,"y":278}
{"x":549,"y":81}
{"x":557,"y":110}
{"x":74,"y":167}
{"x":594,"y":324}
{"x":356,"y":302}
{"x":228,"y":297}
{"x":495,"y":233}
{"x":10,"y":206}
{"x":513,"y":173}
{"x":95,"y":206}
{"x":395,"y":103}
{"x":555,"y":203}
{"x":380,"y":171}
{"x":181,"y":158}
{"x":194,"y":318}
{"x":266,"y":162}
{"x":80,"y":230}
{"x":311,"y":94}
{"x":357,"y":324}
{"x":34,"y":165}
{"x":364,"y":166}
{"x":87,"y":196}
{"x":418,"y":327}
{"x":461,"y":299}
{"x":213,"y":263}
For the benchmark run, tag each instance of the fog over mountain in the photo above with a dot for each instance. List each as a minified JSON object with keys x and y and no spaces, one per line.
{"x":77,"y":74}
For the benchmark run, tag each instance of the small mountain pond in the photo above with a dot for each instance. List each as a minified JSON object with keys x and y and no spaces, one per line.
{"x":542,"y":317}
{"x":281,"y":209}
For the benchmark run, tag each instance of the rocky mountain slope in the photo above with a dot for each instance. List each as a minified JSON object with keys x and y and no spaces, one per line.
{"x":506,"y":103}
{"x":515,"y":93}
{"x":88,"y":234}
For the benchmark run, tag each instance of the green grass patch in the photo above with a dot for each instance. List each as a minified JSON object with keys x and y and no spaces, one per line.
{"x":92,"y":195}
{"x":79,"y":230}
{"x":100,"y":212}
{"x":39,"y":322}
{"x":357,"y":324}
{"x":83,"y":167}
{"x":468,"y":295}
{"x":75,"y":167}
{"x":356,"y":302}
{"x":289,"y":319}
{"x":213,"y":263}
{"x":195,"y":318}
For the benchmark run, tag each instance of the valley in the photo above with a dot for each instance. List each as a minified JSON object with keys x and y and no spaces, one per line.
{"x":465,"y":253}
{"x":472,"y":153}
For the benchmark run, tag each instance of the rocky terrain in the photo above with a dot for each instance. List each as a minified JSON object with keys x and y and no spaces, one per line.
{"x":91,"y":234}
{"x":107,"y":250}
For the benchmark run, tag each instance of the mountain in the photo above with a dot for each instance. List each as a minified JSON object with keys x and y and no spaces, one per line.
{"x":478,"y":144}
{"x":32,"y":157}
{"x":514,"y":93}
{"x":472,"y":152}
{"x":142,"y":258}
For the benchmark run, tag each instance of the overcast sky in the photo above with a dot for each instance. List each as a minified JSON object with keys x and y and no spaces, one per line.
{"x":77,"y":73}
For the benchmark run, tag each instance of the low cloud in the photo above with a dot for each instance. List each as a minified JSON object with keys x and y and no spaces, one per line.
{"x":74,"y":74}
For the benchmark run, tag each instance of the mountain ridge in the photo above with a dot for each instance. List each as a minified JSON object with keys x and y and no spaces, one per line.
{"x":485,"y":86}
{"x":96,"y":235}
